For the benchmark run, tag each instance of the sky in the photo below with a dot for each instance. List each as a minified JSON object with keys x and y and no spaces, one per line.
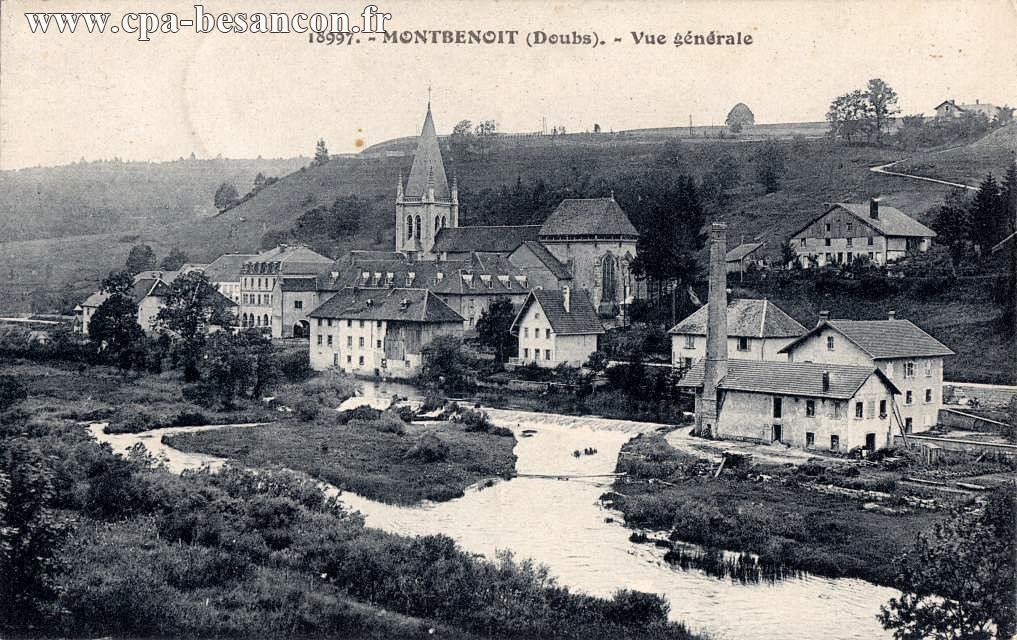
{"x":69,"y":96}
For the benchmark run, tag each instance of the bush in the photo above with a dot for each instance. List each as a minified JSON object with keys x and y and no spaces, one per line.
{"x":386,"y":423}
{"x":294,"y":365}
{"x":363,"y":413}
{"x":428,"y":448}
{"x":432,"y":401}
{"x":307,"y":410}
{"x":477,"y":421}
{"x":637,"y":609}
{"x":190,"y":419}
{"x":404,"y":413}
{"x":131,"y":418}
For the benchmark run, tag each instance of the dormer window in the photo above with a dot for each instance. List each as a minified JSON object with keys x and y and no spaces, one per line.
{"x":743,"y":343}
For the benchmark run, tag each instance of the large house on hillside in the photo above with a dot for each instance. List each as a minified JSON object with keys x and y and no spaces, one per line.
{"x":379,"y":332}
{"x":904,"y":353}
{"x":847,"y":231}
{"x":949,"y":109}
{"x":756,"y":330}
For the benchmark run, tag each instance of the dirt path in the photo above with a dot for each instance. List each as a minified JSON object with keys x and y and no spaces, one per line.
{"x":883,"y":170}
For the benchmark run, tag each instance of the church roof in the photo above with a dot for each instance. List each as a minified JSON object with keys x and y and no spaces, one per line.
{"x":427,"y":167}
{"x":502,"y":239}
{"x":588,"y":217}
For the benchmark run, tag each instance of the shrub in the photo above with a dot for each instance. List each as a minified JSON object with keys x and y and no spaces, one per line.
{"x":294,"y":365}
{"x":432,"y":401}
{"x":307,"y":410}
{"x":131,"y":418}
{"x":190,"y":419}
{"x":363,"y":413}
{"x":404,"y":413}
{"x":428,"y":448}
{"x":386,"y":423}
{"x":637,"y":609}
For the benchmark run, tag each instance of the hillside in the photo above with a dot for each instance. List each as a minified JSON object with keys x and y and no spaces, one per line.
{"x":967,"y":164}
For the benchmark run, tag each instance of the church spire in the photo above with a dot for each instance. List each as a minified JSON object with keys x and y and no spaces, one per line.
{"x":427,"y":161}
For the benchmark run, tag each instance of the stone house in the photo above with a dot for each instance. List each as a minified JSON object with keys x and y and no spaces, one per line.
{"x":846,"y":231}
{"x":908,"y":356}
{"x":292,"y":299}
{"x":835,"y":407}
{"x":950,"y":109}
{"x":259,"y":277}
{"x":756,"y":330}
{"x":556,"y":327}
{"x":378,"y":332}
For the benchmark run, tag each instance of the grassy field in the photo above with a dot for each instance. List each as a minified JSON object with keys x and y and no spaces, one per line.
{"x":789,"y":525}
{"x":966,"y":164}
{"x":362,"y":458}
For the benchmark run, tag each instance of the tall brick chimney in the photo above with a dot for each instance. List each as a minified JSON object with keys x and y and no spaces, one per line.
{"x":715,"y":365}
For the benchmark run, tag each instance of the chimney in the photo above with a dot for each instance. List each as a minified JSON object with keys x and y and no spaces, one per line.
{"x":892,"y":315}
{"x":826,"y":380}
{"x":823,"y":317}
{"x":566,"y":299}
{"x":874,"y":208}
{"x":716,"y":332}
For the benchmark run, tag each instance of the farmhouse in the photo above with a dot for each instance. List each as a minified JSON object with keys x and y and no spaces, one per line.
{"x":904,"y":353}
{"x":556,"y":327}
{"x":379,"y":332}
{"x":847,"y":231}
{"x":756,"y":330}
{"x":950,"y":109}
{"x":808,"y":405}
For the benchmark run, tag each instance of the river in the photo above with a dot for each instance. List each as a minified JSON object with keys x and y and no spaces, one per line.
{"x":561,"y":523}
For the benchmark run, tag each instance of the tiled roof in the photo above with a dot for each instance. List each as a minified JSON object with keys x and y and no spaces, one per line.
{"x":427,"y":169}
{"x":294,"y":259}
{"x":742,"y":250}
{"x":745,"y":318}
{"x":299,"y":283}
{"x":580,"y":319}
{"x":399,"y":304}
{"x":363,"y":255}
{"x":481,"y":274}
{"x":144,"y":286}
{"x":587,"y":217}
{"x":891,"y":221}
{"x":553,"y":264}
{"x":504,"y":239}
{"x":882,"y":339}
{"x":789,"y":378}
{"x":226,"y":268}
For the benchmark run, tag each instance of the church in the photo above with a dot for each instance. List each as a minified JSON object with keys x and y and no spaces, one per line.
{"x":586,"y":243}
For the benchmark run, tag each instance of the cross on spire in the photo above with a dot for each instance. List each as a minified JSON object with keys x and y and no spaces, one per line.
{"x":428,"y":96}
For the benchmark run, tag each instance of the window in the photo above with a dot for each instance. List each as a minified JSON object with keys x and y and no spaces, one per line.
{"x":908,"y":396}
{"x":909,"y":369}
{"x":882,"y":408}
{"x":851,"y":256}
{"x":536,"y":315}
{"x":361,"y":324}
{"x":690,"y":342}
{"x":526,"y":353}
{"x":836,"y":410}
{"x":349,"y":359}
{"x":871,"y":241}
{"x":330,"y":322}
{"x":850,"y":241}
{"x":360,"y":342}
{"x":360,"y":361}
{"x":547,"y":334}
{"x":335,"y":359}
{"x":803,"y":242}
{"x":349,"y":323}
{"x":298,"y":304}
{"x":928,"y":395}
{"x":778,"y":407}
{"x":379,"y":344}
{"x":908,"y":424}
{"x":349,"y":341}
{"x":319,"y":322}
{"x":859,"y":410}
{"x":828,"y":227}
{"x":829,"y":343}
{"x":688,"y":363}
{"x":526,"y":332}
{"x":810,"y":439}
{"x":928,"y":369}
{"x":826,"y":242}
{"x":547,"y":354}
{"x":378,"y":324}
{"x":319,"y":338}
{"x":850,"y":227}
{"x":329,"y":341}
{"x":743,"y":343}
{"x":810,"y":408}
{"x":834,"y":442}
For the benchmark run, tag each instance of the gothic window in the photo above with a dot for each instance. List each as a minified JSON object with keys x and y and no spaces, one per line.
{"x":608,"y":279}
{"x":437,"y":219}
{"x":419,"y":229}
{"x":443,"y":223}
{"x":409,"y":227}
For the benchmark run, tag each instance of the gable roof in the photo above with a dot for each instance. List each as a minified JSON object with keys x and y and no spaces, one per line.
{"x":428,"y":169}
{"x":881,"y":339}
{"x":500,"y":239}
{"x":294,"y":259}
{"x":742,"y":250}
{"x":588,"y":217}
{"x":891,"y":221}
{"x":398,"y":304}
{"x":544,"y":255}
{"x":789,"y":378}
{"x":226,"y":268}
{"x":580,"y":319}
{"x":368,"y":255}
{"x":745,"y":318}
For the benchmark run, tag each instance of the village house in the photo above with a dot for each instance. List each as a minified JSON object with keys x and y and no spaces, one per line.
{"x":949,"y":109}
{"x":836,"y":407}
{"x":224,"y":274}
{"x":744,"y":256}
{"x":756,"y":330}
{"x":846,"y":231}
{"x":556,"y":327}
{"x":259,"y":278}
{"x":907,"y":355}
{"x":379,"y":332}
{"x":292,"y":299}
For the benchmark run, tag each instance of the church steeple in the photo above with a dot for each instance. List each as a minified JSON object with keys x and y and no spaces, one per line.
{"x":427,"y":159}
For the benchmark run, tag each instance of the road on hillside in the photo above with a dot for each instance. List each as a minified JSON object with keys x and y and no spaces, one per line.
{"x":883,"y":169}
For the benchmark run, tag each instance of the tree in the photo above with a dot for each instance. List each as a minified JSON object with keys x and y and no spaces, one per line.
{"x":118,"y":282}
{"x":788,"y":255}
{"x":320,"y":153}
{"x":740,"y":116}
{"x":723,"y":176}
{"x":11,"y":392}
{"x":461,"y":141}
{"x":770,"y":165}
{"x":115,"y":333}
{"x":190,"y":307}
{"x":174,"y":260}
{"x":883,"y":103}
{"x":141,"y":258}
{"x":988,"y":214}
{"x":671,"y":233}
{"x":493,"y":328}
{"x":851,"y":117}
{"x":445,"y":366}
{"x":259,"y":181}
{"x":597,"y":362}
{"x":958,"y":581}
{"x":239,"y":364}
{"x":485,"y":133}
{"x":952,"y":224}
{"x":225,"y":195}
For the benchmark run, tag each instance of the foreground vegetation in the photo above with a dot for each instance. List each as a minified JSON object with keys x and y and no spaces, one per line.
{"x":381,"y":458}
